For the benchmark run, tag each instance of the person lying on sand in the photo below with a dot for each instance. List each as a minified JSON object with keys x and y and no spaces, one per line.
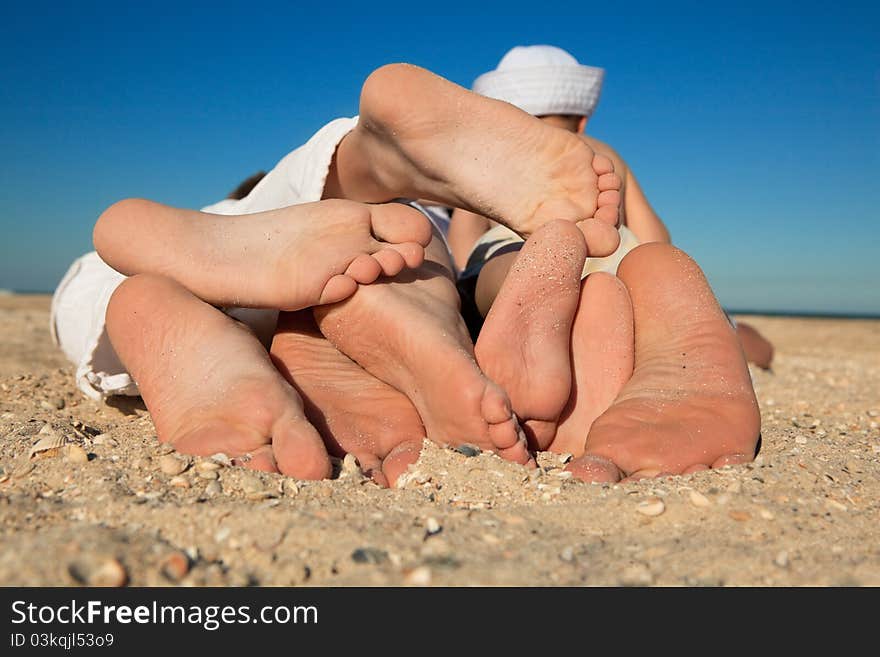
{"x":549,"y":83}
{"x":305,"y":237}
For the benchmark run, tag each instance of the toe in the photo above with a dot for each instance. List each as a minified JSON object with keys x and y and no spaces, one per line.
{"x":495,"y":405}
{"x":391,"y":262}
{"x":397,"y":223}
{"x":602,"y":165}
{"x":400,"y":458}
{"x":339,"y":287}
{"x":505,"y":435}
{"x":299,"y":450}
{"x":608,"y":181}
{"x":610,"y":197}
{"x":602,"y":238}
{"x":364,"y":269}
{"x":261,"y":459}
{"x":413,"y":254}
{"x":591,"y":467}
{"x":518,"y":453}
{"x":733,"y":459}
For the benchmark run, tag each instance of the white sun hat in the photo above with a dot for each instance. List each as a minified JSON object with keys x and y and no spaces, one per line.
{"x":543,"y":80}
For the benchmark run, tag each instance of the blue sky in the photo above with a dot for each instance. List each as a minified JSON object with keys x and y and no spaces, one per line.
{"x":754,"y":128}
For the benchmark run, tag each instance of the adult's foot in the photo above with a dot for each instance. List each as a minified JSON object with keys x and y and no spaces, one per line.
{"x":524,"y":344}
{"x":408,"y":333}
{"x":208,"y":382}
{"x":690,"y":404}
{"x":353,"y":411}
{"x":287,"y":259}
{"x":465,"y":150}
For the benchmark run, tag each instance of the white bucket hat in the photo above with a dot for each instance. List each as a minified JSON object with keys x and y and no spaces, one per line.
{"x":543,"y":80}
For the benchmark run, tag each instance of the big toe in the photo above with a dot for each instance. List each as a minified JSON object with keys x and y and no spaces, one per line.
{"x":397,"y":223}
{"x":399,"y":459}
{"x":593,"y":468}
{"x":299,"y":450}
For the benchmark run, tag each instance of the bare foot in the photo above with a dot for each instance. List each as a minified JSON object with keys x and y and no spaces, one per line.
{"x":601,"y":358}
{"x":208,"y":382}
{"x":756,"y":347}
{"x":285,"y":259}
{"x":690,"y":404}
{"x":456,"y":147}
{"x":408,"y":333}
{"x":353,"y":411}
{"x":524,"y":343}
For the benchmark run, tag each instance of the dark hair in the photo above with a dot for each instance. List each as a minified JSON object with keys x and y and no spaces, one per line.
{"x":244,"y":188}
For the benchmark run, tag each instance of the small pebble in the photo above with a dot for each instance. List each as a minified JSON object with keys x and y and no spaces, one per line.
{"x":104,"y":572}
{"x":369,"y":555}
{"x":468,"y":450}
{"x":207,"y":466}
{"x":420,"y":576}
{"x":432,"y":526}
{"x":291,"y":487}
{"x":698,"y":499}
{"x":801,"y":440}
{"x":179,"y":482}
{"x":781,"y":559}
{"x":567,"y":554}
{"x":175,"y":566}
{"x":766,"y":515}
{"x":213,"y":488}
{"x":350,"y":466}
{"x":739,"y":516}
{"x":209,"y":475}
{"x":653,"y":506}
{"x":221,"y":459}
{"x":834,"y":504}
{"x":172,"y":465}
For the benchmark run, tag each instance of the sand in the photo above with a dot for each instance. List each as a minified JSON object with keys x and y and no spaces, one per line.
{"x":108,"y":508}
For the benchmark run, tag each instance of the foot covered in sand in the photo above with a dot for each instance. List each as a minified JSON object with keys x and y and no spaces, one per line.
{"x":208,"y":382}
{"x":353,"y":411}
{"x":690,"y":404}
{"x":408,"y":333}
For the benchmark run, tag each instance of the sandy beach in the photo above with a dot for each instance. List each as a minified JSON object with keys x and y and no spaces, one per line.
{"x":109,"y":505}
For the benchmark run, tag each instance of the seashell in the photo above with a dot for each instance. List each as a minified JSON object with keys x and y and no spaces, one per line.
{"x":420,"y":576}
{"x":432,"y":526}
{"x":291,"y":487}
{"x":350,"y":466}
{"x":222,"y":459}
{"x":653,"y":506}
{"x":698,"y":499}
{"x":50,"y":442}
{"x":209,"y":475}
{"x":207,"y":466}
{"x":172,"y":465}
{"x":75,"y":454}
{"x":178,"y":482}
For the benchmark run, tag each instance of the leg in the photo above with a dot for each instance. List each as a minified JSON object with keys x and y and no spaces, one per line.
{"x":353,"y":411}
{"x":689,"y":404}
{"x":207,"y":382}
{"x":289,"y":258}
{"x":408,"y":333}
{"x":459,"y":148}
{"x":524,"y":343}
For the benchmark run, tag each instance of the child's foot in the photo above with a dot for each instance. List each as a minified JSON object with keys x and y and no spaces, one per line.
{"x":524,"y":342}
{"x":353,"y":410}
{"x":690,"y":404}
{"x":408,"y":333}
{"x":207,"y":381}
{"x":601,"y":358}
{"x":457,"y":147}
{"x":757,"y":348}
{"x":290,"y":258}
